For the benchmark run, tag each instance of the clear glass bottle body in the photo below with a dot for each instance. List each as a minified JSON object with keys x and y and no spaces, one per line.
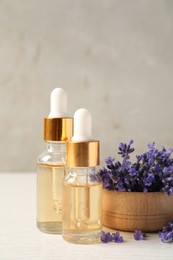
{"x":50,"y":174}
{"x":82,"y":205}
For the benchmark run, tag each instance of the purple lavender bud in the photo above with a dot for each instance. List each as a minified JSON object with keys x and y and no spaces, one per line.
{"x":166,"y":229}
{"x":126,"y":165}
{"x":106,"y":183}
{"x":150,"y":178}
{"x":105,"y":237}
{"x":166,"y":237}
{"x":138,"y":235}
{"x":132,"y":172}
{"x":151,"y":146}
{"x":131,"y":141}
{"x":110,"y":160}
{"x":117,"y":238}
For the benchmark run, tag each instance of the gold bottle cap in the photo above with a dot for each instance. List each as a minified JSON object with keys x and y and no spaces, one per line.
{"x":58,"y":129}
{"x":83,"y":154}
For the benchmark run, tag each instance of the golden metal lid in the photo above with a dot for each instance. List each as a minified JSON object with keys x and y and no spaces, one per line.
{"x":83,"y":154}
{"x":58,"y":129}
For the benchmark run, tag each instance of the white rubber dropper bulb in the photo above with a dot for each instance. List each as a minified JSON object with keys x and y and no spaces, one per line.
{"x":58,"y":103}
{"x":82,"y":125}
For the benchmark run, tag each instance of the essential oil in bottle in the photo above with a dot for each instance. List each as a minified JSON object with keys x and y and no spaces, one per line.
{"x":51,"y":164}
{"x":82,"y":186}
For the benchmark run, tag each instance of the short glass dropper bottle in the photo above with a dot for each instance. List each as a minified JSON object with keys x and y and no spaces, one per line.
{"x":57,"y":130}
{"x":82,"y":186}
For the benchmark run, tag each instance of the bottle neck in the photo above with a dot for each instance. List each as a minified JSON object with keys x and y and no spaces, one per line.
{"x":82,"y":175}
{"x":56,"y":147}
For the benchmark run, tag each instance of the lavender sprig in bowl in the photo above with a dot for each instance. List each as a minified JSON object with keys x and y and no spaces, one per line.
{"x":135,"y":194}
{"x":151,"y":172}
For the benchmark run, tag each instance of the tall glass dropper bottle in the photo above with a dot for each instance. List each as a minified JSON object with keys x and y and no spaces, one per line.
{"x":82,"y":186}
{"x":57,"y":130}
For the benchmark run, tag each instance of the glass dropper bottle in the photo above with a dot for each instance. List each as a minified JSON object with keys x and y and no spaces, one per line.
{"x":82,"y":186}
{"x":57,"y":130}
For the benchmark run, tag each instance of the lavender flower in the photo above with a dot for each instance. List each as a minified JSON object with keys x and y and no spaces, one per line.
{"x":149,"y":179}
{"x":117,"y":238}
{"x":139,"y":235}
{"x":106,"y":237}
{"x":132,"y":172}
{"x":152,"y":171}
{"x":125,"y":149}
{"x":166,"y":235}
{"x":110,"y":160}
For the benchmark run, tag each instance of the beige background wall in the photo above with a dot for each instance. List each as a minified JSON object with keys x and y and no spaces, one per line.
{"x":114,"y":57}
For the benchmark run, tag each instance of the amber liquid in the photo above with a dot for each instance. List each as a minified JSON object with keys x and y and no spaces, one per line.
{"x":82,"y":212}
{"x":49,"y":198}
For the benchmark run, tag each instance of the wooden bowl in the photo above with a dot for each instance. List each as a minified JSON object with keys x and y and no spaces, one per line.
{"x":129,"y":211}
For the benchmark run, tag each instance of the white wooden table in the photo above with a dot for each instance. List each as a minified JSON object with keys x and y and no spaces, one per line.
{"x":20,"y":239}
